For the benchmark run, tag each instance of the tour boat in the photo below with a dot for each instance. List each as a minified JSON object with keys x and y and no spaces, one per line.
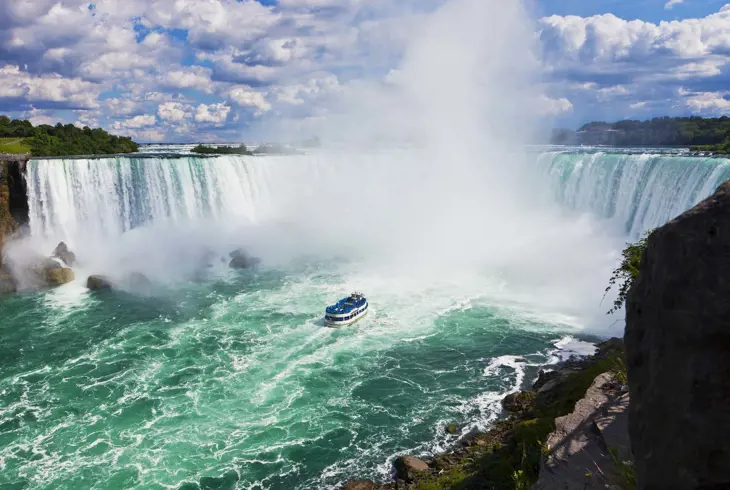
{"x":347,"y":310}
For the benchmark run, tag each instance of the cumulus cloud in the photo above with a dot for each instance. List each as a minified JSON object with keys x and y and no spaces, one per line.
{"x":174,"y":112}
{"x":241,"y":60}
{"x":214,"y":114}
{"x":50,"y":89}
{"x":245,"y":97}
{"x":553,"y":107}
{"x":136,"y":122}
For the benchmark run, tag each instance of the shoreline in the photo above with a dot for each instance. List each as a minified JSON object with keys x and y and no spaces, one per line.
{"x":510,"y":453}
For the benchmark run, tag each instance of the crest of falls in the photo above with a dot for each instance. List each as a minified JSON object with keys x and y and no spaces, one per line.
{"x":70,"y":198}
{"x":636,"y":191}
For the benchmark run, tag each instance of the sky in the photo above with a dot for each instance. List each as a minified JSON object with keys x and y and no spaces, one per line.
{"x":221,"y":70}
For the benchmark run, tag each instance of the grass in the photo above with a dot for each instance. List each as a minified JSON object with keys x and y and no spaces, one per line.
{"x":15,"y":145}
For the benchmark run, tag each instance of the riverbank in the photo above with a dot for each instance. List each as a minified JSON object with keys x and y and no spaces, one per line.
{"x":511,"y":453}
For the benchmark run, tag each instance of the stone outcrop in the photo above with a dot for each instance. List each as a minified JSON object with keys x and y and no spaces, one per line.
{"x":7,"y":284}
{"x":62,"y":252}
{"x":240,"y":259}
{"x":361,"y":485}
{"x":13,"y":200}
{"x":59,"y":276}
{"x":408,"y":467}
{"x":579,"y":449}
{"x":98,"y":283}
{"x":678,"y":351}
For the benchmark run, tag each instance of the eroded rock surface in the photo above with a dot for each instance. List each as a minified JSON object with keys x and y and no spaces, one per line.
{"x":678,"y":351}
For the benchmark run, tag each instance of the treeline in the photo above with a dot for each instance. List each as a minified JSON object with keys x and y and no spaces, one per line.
{"x":64,"y":140}
{"x":662,"y":131}
{"x":221,"y":150}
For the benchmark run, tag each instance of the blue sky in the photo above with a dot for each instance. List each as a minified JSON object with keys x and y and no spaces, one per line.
{"x":221,"y":70}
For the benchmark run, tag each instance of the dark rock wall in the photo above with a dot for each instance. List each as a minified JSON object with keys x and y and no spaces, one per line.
{"x":14,"y":211}
{"x":678,"y":352}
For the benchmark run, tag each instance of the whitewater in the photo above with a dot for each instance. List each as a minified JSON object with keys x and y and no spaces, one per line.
{"x":229,"y":378}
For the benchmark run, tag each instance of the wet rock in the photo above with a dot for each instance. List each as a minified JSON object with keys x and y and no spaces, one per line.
{"x":361,"y":485}
{"x":59,"y":276}
{"x":519,"y":402}
{"x":545,"y":377}
{"x":7,"y":284}
{"x":96,"y":283}
{"x":62,"y":252}
{"x":452,"y":429}
{"x":677,"y":344}
{"x":408,"y":467}
{"x":240,"y":259}
{"x":137,"y":279}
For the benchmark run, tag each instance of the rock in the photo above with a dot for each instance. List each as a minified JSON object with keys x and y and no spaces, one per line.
{"x":7,"y":284}
{"x":361,"y":485}
{"x":452,"y":429}
{"x":545,"y":377}
{"x":408,"y":467}
{"x":96,"y":283}
{"x":59,"y":276}
{"x":609,"y":347}
{"x":138,"y":280}
{"x":240,"y":259}
{"x":578,"y":456}
{"x":677,"y":343}
{"x":62,"y":252}
{"x":519,"y":402}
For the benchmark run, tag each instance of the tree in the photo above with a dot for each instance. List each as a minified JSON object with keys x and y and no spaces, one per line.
{"x":627,"y":272}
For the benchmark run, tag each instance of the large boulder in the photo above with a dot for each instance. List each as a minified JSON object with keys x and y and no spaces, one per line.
{"x":408,"y":467}
{"x":59,"y":276}
{"x":361,"y":485}
{"x":62,"y":252}
{"x":98,"y":283}
{"x":678,"y":351}
{"x":7,"y":284}
{"x":240,"y":259}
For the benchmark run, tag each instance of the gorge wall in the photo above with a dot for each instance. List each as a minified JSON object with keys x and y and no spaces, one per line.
{"x":677,"y":343}
{"x":13,"y":197}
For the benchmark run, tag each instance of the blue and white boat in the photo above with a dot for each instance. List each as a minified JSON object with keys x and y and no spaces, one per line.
{"x":347,"y":311}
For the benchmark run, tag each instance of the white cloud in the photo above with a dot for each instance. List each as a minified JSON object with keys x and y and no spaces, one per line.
{"x":195,"y":77}
{"x":135,"y":122}
{"x":214,"y":113}
{"x":707,"y":102}
{"x":245,"y":97}
{"x":174,"y":112}
{"x":671,"y":3}
{"x":553,"y":107}
{"x":70,"y":92}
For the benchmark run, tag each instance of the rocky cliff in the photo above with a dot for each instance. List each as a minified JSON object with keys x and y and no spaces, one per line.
{"x":13,"y":206}
{"x":678,"y":352}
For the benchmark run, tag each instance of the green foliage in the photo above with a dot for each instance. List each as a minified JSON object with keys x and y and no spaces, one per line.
{"x":221,"y":150}
{"x":712,"y":134}
{"x":62,"y":140}
{"x":627,"y":272}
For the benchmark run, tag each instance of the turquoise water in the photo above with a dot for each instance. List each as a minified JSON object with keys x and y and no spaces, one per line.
{"x":234,"y":377}
{"x":219,"y":379}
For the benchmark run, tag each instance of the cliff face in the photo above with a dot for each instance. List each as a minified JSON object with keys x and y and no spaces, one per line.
{"x":678,"y":352}
{"x":13,"y":197}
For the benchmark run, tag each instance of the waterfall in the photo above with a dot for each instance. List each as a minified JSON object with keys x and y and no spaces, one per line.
{"x":637,"y":192}
{"x":109,"y":196}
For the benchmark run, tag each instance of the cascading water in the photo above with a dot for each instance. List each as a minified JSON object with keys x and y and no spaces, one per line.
{"x":636,"y":191}
{"x":232,"y":376}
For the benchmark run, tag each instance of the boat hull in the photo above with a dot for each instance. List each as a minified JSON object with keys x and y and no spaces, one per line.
{"x":344,"y":323}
